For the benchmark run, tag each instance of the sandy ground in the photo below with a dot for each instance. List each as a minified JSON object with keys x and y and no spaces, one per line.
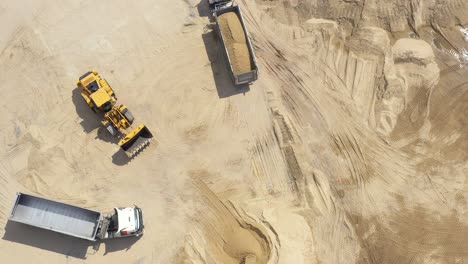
{"x":350,"y":148}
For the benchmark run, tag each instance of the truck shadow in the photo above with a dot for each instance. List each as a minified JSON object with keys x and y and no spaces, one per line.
{"x":224,"y":85}
{"x":203,"y":9}
{"x":62,"y":244}
{"x":46,"y":240}
{"x":120,"y":244}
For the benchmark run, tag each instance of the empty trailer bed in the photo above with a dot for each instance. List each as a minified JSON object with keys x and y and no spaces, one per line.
{"x":55,"y":216}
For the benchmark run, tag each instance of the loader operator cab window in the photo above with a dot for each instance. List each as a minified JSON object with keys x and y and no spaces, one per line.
{"x":93,"y":86}
{"x":106,"y":107}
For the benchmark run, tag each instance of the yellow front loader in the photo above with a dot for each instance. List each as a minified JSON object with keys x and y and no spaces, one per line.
{"x":120,"y":119}
{"x":117,"y":119}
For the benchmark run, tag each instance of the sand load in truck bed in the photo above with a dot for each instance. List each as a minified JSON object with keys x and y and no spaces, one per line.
{"x":236,"y":42}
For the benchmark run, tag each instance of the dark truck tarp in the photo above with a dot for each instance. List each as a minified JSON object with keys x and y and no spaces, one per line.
{"x":55,"y":216}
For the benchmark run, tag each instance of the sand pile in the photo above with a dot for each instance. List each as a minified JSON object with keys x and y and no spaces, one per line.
{"x":236,"y":42}
{"x":229,"y":236}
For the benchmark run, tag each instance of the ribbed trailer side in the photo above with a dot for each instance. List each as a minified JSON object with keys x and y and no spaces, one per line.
{"x":245,"y":77}
{"x":55,"y":216}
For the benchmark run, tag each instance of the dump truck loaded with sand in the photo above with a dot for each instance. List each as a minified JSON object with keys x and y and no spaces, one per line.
{"x":236,"y":42}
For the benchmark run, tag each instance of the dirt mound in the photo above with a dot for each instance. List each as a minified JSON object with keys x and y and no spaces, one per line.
{"x":228,"y":236}
{"x":236,"y":43}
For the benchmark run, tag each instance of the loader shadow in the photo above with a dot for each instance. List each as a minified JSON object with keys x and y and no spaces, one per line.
{"x":89,"y":120}
{"x":120,"y":158}
{"x":224,"y":85}
{"x":104,"y":135}
{"x":62,"y":244}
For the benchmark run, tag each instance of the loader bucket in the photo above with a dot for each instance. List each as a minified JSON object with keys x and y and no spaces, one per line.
{"x":136,"y":140}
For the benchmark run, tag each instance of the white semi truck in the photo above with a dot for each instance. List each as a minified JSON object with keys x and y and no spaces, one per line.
{"x":76,"y":221}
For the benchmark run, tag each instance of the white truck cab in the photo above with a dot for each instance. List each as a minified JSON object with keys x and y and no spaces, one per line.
{"x":124,"y":222}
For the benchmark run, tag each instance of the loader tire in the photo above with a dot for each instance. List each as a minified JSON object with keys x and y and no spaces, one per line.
{"x":111,"y":129}
{"x":129,"y":116}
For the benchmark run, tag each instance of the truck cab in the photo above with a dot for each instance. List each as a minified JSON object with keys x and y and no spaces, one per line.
{"x":215,"y":4}
{"x":123,"y":222}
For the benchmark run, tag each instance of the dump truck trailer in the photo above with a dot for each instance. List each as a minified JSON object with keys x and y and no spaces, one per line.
{"x":234,"y":37}
{"x":76,"y":221}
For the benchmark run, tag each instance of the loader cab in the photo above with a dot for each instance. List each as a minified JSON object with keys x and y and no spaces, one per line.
{"x":101,"y":100}
{"x":98,"y":97}
{"x":106,"y":107}
{"x":92,"y":86}
{"x":89,"y":82}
